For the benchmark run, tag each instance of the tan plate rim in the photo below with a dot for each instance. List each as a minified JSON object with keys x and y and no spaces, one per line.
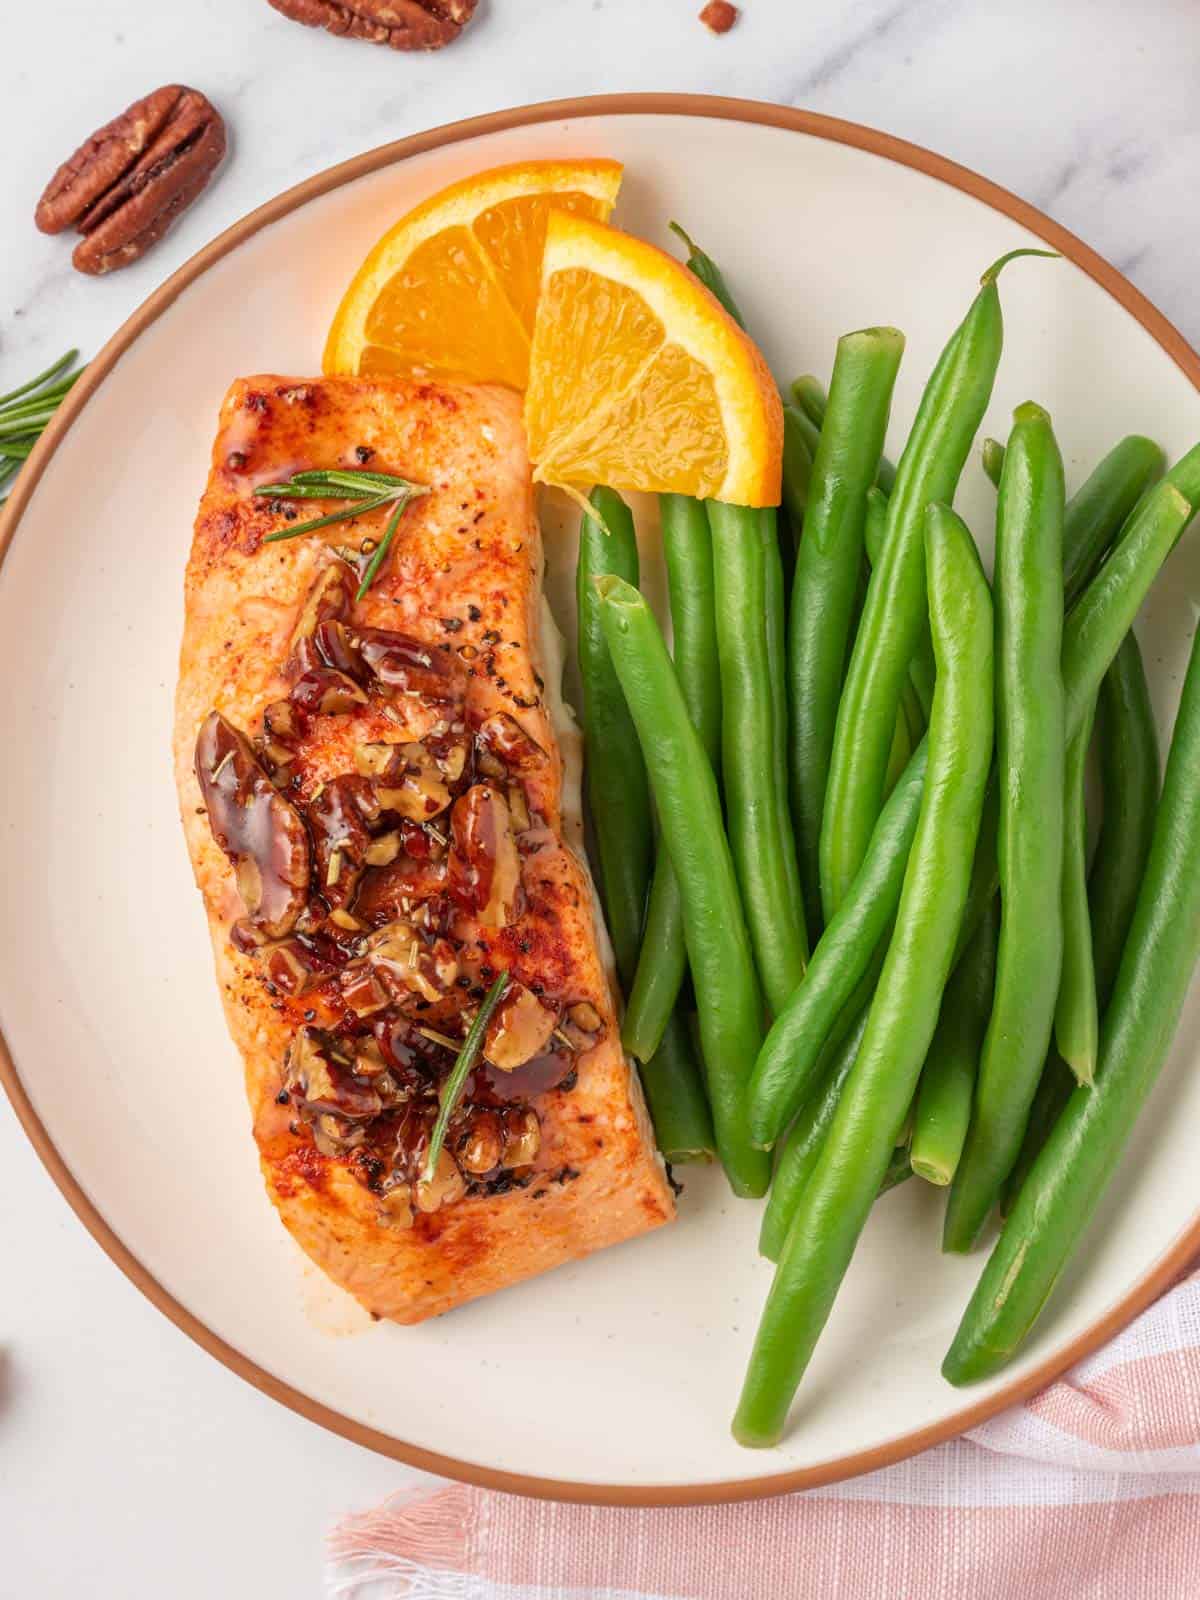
{"x":749,"y":111}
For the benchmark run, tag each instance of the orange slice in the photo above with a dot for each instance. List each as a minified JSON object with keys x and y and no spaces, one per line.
{"x":450,"y":291}
{"x":639,"y":379}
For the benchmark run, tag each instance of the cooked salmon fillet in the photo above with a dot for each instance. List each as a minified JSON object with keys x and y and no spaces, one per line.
{"x":373,"y":797}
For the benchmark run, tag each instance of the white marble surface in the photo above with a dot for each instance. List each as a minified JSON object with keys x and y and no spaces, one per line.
{"x":130,"y":1463}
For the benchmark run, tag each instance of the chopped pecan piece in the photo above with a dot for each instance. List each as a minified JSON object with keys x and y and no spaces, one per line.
{"x":444,"y":1188}
{"x":322,"y":692}
{"x":289,"y":966}
{"x":282,"y":722}
{"x":504,"y":738}
{"x":482,"y":1145}
{"x":335,"y":816}
{"x":407,"y":779}
{"x":125,"y":185}
{"x":260,"y":832}
{"x":402,"y":24}
{"x":362,"y":990}
{"x":321,"y":1079}
{"x":522,"y":1136}
{"x":408,"y":966}
{"x":408,"y":666}
{"x":520,"y":1029}
{"x":328,"y":600}
{"x":484,"y":868}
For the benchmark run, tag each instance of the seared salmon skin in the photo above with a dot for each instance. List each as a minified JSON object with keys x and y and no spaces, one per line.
{"x":380,"y":800}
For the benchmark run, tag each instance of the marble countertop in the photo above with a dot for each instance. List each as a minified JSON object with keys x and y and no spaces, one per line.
{"x":130,"y":1463}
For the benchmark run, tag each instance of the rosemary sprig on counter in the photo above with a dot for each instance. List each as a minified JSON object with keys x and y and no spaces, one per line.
{"x":468,"y":1057}
{"x":363,"y":492}
{"x":25,"y":411}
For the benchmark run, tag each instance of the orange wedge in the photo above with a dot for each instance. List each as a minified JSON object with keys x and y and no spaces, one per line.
{"x":639,"y":379}
{"x":451,"y":290}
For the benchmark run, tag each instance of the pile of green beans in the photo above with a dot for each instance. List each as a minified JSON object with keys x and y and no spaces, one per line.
{"x":901,"y":774}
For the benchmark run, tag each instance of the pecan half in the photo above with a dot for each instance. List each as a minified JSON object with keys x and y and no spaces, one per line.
{"x":125,"y":185}
{"x":257,"y":829}
{"x":402,"y":24}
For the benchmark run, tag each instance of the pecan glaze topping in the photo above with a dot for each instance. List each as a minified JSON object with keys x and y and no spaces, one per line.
{"x":370,"y":898}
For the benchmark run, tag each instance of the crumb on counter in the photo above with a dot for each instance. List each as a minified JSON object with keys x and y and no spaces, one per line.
{"x":719,"y":16}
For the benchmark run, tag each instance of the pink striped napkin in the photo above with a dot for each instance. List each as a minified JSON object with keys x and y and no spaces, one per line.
{"x":1092,"y":1489}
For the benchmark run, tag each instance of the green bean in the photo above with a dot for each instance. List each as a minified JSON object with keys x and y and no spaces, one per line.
{"x":797,"y":469}
{"x":1104,"y":612}
{"x":943,"y":1109}
{"x":744,"y":550}
{"x":706,"y":269}
{"x":806,"y":429}
{"x":617,"y":790}
{"x":687,"y":548}
{"x":827,"y":571}
{"x":914,"y":717}
{"x":784,"y":1072}
{"x":1129,"y":778}
{"x":993,"y":459}
{"x":689,"y":811}
{"x":901,"y":751}
{"x":894,"y":616}
{"x":920,"y":668}
{"x":775,"y":614}
{"x":899,"y":1169}
{"x":875,"y":1101}
{"x":799,"y":1151}
{"x":1053,"y":1091}
{"x":1067,"y":1179}
{"x":1030,"y":771}
{"x":809,"y":394}
{"x":1099,"y":508}
{"x":1076,"y":1020}
{"x":675,"y":1095}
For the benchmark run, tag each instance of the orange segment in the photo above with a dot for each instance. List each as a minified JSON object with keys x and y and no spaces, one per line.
{"x":639,"y":379}
{"x":450,"y":291}
{"x":443,"y":315}
{"x":513,"y":235}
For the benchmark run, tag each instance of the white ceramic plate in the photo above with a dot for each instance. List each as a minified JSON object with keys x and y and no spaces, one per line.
{"x":613,"y":1378}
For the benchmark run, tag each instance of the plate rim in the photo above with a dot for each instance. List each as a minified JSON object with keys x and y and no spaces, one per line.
{"x":721,"y":108}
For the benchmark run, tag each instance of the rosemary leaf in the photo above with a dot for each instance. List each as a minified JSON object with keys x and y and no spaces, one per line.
{"x":29,"y":422}
{"x":348,"y":515}
{"x":381,"y":553}
{"x":389,"y":480}
{"x":51,"y":372}
{"x":461,"y":1070}
{"x":312,"y":491}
